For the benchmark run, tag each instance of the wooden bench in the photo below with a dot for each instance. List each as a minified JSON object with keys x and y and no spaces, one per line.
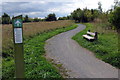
{"x":91,"y":36}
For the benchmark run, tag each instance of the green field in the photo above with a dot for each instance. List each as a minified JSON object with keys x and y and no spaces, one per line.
{"x":105,"y":48}
{"x":36,"y":65}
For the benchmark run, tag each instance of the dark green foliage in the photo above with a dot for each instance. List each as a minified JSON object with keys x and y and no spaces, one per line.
{"x":115,"y":17}
{"x":64,"y":18}
{"x":36,"y":20}
{"x":105,"y":48}
{"x":36,"y":65}
{"x":77,"y":15}
{"x":84,"y":15}
{"x":6,"y":19}
{"x":26,"y":19}
{"x":51,"y":17}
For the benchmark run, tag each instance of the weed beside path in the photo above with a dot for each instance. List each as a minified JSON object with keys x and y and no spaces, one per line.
{"x":105,"y":48}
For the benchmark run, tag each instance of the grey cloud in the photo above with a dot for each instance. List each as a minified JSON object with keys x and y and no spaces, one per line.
{"x":19,"y":7}
{"x":41,"y":9}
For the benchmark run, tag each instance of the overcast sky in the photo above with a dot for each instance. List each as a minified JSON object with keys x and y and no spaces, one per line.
{"x":41,"y":8}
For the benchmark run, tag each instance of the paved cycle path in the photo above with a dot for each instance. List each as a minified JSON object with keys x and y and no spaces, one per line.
{"x":81,"y":62}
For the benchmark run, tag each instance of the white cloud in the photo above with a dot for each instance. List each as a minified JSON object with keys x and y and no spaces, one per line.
{"x":38,"y":0}
{"x":106,"y":4}
{"x":42,"y":8}
{"x":53,"y":10}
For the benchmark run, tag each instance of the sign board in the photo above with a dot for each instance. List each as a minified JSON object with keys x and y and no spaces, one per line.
{"x":18,"y":35}
{"x":17,"y":23}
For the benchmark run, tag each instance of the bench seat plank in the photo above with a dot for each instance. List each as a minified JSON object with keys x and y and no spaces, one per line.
{"x":88,"y":37}
{"x":93,"y":34}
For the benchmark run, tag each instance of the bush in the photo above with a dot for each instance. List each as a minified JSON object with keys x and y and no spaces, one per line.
{"x":51,"y":17}
{"x":6,"y":19}
{"x":115,"y":18}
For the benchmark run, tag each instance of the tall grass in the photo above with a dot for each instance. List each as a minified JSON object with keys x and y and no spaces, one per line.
{"x":29,"y":30}
{"x":36,"y":66}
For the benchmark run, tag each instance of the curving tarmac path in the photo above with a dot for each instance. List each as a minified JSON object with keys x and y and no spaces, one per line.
{"x":80,"y":61}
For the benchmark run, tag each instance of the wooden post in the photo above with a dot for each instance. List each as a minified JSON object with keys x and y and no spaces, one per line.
{"x":88,"y":30}
{"x":18,"y":46}
{"x":96,"y":35}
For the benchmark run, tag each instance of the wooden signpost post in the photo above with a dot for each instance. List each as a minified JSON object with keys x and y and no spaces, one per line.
{"x":18,"y":46}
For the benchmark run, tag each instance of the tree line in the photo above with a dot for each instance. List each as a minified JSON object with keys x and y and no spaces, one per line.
{"x":7,"y":20}
{"x":50,"y":17}
{"x":85,"y":15}
{"x":79,"y":15}
{"x":111,"y":17}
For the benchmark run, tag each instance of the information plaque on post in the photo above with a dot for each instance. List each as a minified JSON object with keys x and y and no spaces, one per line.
{"x":18,"y":46}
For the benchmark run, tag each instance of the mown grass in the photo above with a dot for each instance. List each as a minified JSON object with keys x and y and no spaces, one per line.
{"x":105,"y":48}
{"x":36,"y":65}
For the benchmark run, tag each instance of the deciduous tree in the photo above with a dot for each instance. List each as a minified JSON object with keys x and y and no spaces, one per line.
{"x":51,"y":17}
{"x":6,"y":19}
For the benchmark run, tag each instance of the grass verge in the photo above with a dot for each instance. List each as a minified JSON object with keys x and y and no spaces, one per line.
{"x":36,"y":65}
{"x":105,"y":48}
